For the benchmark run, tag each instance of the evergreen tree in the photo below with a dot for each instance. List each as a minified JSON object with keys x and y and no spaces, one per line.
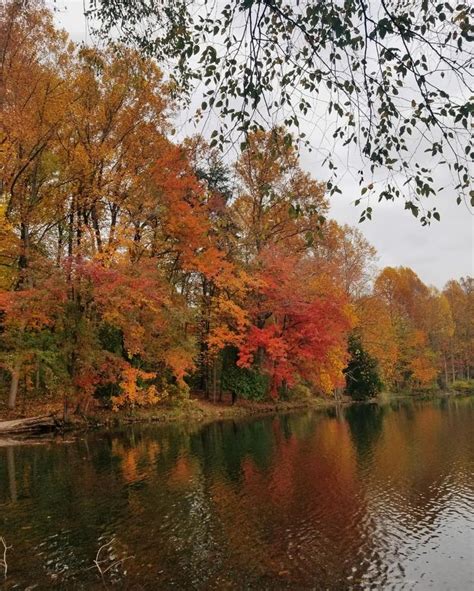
{"x":362,"y":372}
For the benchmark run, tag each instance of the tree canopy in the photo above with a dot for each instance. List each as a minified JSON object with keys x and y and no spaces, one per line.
{"x":135,"y":267}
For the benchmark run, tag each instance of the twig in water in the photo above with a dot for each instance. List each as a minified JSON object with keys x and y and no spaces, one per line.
{"x":3,"y":561}
{"x":98,"y":562}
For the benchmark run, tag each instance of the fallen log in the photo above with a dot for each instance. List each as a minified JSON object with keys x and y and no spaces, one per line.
{"x":30,"y":425}
{"x":34,"y":439}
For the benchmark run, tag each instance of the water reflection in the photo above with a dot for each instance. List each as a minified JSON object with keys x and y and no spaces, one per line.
{"x":11,"y":473}
{"x":381,"y":497}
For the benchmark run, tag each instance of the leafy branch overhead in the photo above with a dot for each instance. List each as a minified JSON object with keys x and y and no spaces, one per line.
{"x":390,"y":81}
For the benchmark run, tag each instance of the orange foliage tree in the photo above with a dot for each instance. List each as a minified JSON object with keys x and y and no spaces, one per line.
{"x":133,"y":267}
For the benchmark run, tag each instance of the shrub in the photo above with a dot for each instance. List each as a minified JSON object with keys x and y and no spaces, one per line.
{"x":300,"y":392}
{"x":247,"y":383}
{"x":176,"y":394}
{"x":463,"y":385}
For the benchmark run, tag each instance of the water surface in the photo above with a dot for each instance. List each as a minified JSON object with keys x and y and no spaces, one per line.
{"x":375,"y":497}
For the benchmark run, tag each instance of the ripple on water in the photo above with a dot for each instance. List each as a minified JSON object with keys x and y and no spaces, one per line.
{"x":380,"y":500}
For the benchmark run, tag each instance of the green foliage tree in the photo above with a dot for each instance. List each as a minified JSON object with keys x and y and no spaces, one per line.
{"x":248,"y":383}
{"x":394,"y":74}
{"x":362,"y":374}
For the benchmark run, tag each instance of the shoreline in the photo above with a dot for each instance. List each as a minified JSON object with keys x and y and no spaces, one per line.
{"x":203,"y":411}
{"x":196,"y":411}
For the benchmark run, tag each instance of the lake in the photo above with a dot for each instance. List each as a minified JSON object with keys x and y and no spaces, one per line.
{"x":370,"y":497}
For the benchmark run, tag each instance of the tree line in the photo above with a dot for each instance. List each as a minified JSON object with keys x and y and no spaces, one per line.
{"x":135,"y":268}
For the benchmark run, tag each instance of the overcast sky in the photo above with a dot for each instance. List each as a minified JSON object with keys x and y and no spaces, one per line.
{"x":436,"y":253}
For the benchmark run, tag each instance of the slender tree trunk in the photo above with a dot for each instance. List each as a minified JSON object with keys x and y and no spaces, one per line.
{"x":24,"y":256}
{"x":135,"y":249}
{"x":452,"y":367}
{"x":65,"y":408}
{"x":214,"y":381}
{"x":113,"y":223}
{"x":25,"y":393}
{"x":445,"y":370}
{"x":203,"y":360}
{"x":38,"y":377}
{"x":79,"y":231}
{"x":70,"y":239}
{"x":12,"y":396}
{"x":339,"y":410}
{"x":23,"y":282}
{"x":95,"y":225}
{"x":207,"y":376}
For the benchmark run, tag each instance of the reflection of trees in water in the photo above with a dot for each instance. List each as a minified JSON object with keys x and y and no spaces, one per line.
{"x":210,"y":504}
{"x":423,"y":449}
{"x":415,"y":482}
{"x":366,"y":425}
{"x":11,"y":473}
{"x":288,"y":501}
{"x":227,"y":444}
{"x":290,"y":510}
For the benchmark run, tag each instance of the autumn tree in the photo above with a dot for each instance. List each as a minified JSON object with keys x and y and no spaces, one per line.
{"x":277,"y":202}
{"x":420,"y":322}
{"x":460,"y":296}
{"x":111,"y":141}
{"x":378,"y":334}
{"x":297,"y":324}
{"x":440,"y":329}
{"x":35,"y":59}
{"x":298,"y":329}
{"x":91,"y":185}
{"x":344,"y":254}
{"x":344,"y":257}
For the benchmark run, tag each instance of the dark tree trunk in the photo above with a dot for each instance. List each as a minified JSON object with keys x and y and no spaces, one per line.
{"x":12,"y":396}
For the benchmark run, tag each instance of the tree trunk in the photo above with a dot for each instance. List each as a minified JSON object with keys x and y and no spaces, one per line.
{"x":14,"y":386}
{"x":339,"y":411}
{"x":214,"y":381}
{"x":59,"y":246}
{"x":23,"y":260}
{"x":95,"y":225}
{"x":70,"y":238}
{"x":65,"y":408}
{"x":452,"y":367}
